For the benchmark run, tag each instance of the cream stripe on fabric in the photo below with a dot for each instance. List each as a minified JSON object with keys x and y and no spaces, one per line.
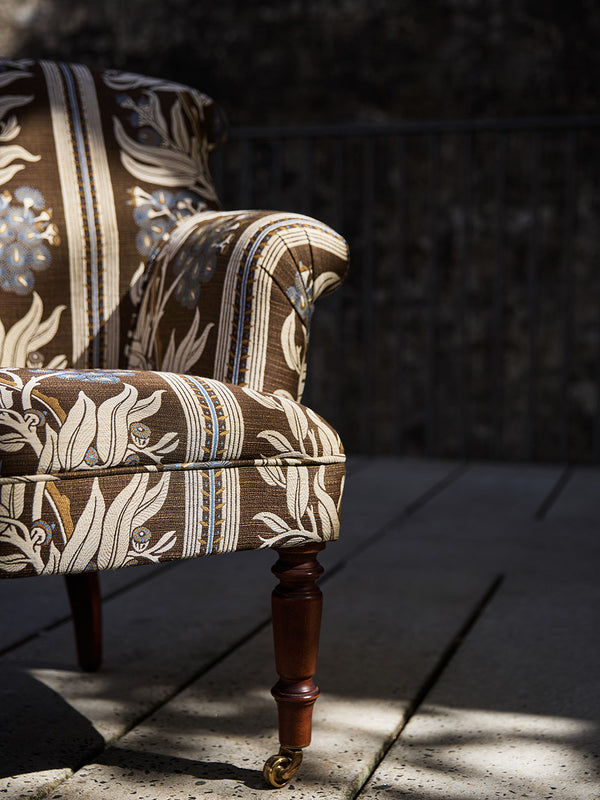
{"x":109,"y":231}
{"x":225,"y":333}
{"x":196,"y":431}
{"x":193,"y":513}
{"x":234,"y":438}
{"x":75,"y":232}
{"x":268,"y":259}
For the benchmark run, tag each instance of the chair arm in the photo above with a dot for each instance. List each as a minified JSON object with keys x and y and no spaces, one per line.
{"x":230,"y":295}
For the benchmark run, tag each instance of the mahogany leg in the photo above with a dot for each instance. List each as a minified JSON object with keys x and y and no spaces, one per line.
{"x":297,"y":603}
{"x":86,"y":609}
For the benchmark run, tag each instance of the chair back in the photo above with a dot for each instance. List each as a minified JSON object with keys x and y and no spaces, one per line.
{"x":95,"y":168}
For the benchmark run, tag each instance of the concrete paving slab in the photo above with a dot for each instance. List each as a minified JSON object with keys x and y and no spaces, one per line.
{"x":479,"y":524}
{"x":517,"y":712}
{"x":450,"y":754}
{"x":379,"y":644}
{"x":158,"y":636}
{"x":379,"y":492}
{"x":485,"y":519}
{"x":34,"y":605}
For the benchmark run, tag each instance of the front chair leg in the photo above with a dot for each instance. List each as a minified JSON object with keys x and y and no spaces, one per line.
{"x":86,"y":610}
{"x":297,"y":603}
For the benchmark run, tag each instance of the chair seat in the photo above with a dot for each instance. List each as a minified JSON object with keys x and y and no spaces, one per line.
{"x":109,"y":468}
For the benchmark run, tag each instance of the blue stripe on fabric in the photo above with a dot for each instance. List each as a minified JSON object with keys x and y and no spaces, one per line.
{"x":88,"y":211}
{"x":211,"y":516}
{"x":213,"y":416}
{"x":238,"y":349}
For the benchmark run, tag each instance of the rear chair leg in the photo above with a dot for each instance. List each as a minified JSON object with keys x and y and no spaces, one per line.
{"x":297,"y":603}
{"x":86,"y":609}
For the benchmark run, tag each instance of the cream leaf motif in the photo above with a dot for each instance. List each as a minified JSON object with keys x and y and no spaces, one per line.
{"x":77,"y":433}
{"x":173,"y":159}
{"x":84,"y":541}
{"x":28,"y":334}
{"x":303,"y":443}
{"x":90,"y":435}
{"x":10,"y":128}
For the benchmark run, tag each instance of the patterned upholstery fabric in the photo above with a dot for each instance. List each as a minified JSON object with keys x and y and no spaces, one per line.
{"x":152,"y":346}
{"x":231,"y":296}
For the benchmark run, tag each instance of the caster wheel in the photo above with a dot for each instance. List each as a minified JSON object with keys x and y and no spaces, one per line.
{"x":279,"y":770}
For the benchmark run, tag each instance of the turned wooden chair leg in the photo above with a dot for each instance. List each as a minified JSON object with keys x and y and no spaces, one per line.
{"x":297,"y":603}
{"x":86,"y":609}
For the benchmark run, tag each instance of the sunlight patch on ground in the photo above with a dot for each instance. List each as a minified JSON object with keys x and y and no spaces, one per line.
{"x":463,"y":754}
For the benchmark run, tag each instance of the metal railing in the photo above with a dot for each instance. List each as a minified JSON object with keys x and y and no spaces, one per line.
{"x":470,"y":322}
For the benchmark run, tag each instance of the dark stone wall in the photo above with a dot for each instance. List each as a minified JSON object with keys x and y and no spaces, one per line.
{"x":310,"y":61}
{"x":336,"y":60}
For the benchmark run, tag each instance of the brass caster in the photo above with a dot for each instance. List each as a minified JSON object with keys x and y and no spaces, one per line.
{"x":280,"y":769}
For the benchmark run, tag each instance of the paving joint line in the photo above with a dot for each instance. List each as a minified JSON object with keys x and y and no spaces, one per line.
{"x":443,"y":662}
{"x":105,"y":598}
{"x":554,"y":493}
{"x":408,"y":511}
{"x":93,"y":754}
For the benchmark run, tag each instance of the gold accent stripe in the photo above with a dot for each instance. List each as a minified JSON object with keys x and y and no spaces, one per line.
{"x":230,"y":526}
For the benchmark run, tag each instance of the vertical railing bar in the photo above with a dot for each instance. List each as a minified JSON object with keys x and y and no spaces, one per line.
{"x":307,"y":160}
{"x":338,"y":354}
{"x":498,"y":300}
{"x":398,"y":376}
{"x":464,"y":246}
{"x":533,"y":296}
{"x":247,"y":172}
{"x":597,"y":419}
{"x":338,"y":182}
{"x":368,"y":300}
{"x":567,"y":291}
{"x":217,"y":168}
{"x":277,"y":160}
{"x":431,"y":390}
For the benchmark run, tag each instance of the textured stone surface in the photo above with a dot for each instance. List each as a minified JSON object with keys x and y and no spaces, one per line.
{"x":373,"y":661}
{"x":515,"y":712}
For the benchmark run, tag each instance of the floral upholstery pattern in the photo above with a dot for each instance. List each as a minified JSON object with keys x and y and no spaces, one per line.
{"x":152,"y":346}
{"x":98,"y":464}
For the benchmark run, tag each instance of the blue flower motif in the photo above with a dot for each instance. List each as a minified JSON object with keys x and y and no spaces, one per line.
{"x":141,"y":535}
{"x":30,"y":197}
{"x":196,"y":262}
{"x":92,"y":458}
{"x":45,"y":531}
{"x":25,"y":231}
{"x":140,"y":433}
{"x":158,"y":212}
{"x":300,"y":296}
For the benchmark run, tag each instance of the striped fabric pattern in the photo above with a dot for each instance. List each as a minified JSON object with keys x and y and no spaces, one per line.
{"x":152,"y":346}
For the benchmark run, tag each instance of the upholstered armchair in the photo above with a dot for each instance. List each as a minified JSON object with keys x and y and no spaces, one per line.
{"x":153,"y":357}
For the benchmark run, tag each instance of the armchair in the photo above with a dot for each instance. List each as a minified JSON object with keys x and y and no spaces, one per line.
{"x":153,"y":352}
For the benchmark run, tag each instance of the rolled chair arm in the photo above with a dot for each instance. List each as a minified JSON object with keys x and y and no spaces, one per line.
{"x":230,"y":296}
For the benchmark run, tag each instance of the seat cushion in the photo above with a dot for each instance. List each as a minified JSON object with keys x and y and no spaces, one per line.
{"x":103,"y":469}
